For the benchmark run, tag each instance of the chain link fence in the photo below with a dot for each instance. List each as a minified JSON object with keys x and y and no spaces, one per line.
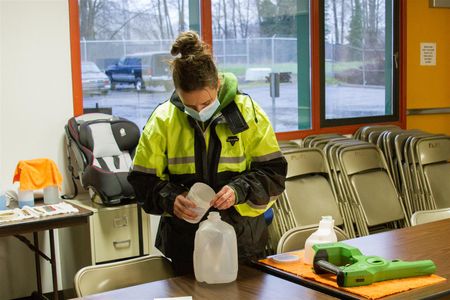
{"x":247,"y":52}
{"x":343,"y":64}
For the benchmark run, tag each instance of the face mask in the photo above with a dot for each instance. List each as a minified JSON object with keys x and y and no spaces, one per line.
{"x":205,"y":114}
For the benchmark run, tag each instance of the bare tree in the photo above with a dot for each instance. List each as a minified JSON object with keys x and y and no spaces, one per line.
{"x":160,"y":20}
{"x":225,"y":20}
{"x":181,"y":22}
{"x":244,"y":18}
{"x":233,"y":17}
{"x":342,"y":21}
{"x":217,"y":23}
{"x":89,"y":10}
{"x":336,"y":25}
{"x":258,"y":11}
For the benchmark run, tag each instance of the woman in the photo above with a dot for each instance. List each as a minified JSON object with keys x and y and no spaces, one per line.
{"x":207,"y":132}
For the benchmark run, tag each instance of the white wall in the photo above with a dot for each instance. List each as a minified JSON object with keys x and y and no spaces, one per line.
{"x":35,"y":104}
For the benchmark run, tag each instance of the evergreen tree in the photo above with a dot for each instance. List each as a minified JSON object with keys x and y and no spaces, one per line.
{"x":355,"y":36}
{"x":278,"y":18}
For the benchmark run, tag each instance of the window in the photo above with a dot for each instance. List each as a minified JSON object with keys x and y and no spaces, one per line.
{"x":128,"y":42}
{"x":357,"y":65}
{"x":267,"y":47}
{"x":314,"y":66}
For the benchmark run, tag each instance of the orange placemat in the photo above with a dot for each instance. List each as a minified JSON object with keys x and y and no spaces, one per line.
{"x":374,"y":291}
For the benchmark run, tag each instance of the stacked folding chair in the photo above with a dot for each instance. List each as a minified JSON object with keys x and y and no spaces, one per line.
{"x":386,"y":143}
{"x":376,"y":182}
{"x":281,"y":222}
{"x":400,"y":150}
{"x":430,"y":161}
{"x":360,"y":202}
{"x":286,"y":146}
{"x":319,"y":140}
{"x":309,"y":194}
{"x":363,"y":133}
{"x":330,"y":150}
{"x":376,"y":204}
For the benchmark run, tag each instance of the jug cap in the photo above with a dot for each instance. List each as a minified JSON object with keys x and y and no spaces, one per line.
{"x":327,"y":221}
{"x":214,"y":216}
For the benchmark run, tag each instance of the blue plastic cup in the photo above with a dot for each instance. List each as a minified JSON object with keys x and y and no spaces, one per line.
{"x":26,"y":198}
{"x":3,"y":202}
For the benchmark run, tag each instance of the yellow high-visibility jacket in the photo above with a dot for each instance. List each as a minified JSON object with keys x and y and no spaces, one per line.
{"x":237,"y":147}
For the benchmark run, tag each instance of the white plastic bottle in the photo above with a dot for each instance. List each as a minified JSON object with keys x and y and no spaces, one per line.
{"x":215,"y":251}
{"x":325,"y":234}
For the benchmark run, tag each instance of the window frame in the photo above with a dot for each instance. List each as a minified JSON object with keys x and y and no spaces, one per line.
{"x":317,"y":78}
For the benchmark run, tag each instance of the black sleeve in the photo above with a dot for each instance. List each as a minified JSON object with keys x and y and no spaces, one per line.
{"x":262,"y":181}
{"x":154,"y":195}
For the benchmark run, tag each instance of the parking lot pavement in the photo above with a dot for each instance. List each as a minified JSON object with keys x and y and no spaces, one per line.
{"x":342,"y":102}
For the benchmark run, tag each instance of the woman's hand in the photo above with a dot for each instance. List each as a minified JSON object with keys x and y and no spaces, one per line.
{"x":224,"y":199}
{"x":182,"y":207}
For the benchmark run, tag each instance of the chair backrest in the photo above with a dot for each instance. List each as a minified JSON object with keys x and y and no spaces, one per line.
{"x":430,"y":157}
{"x":295,"y":238}
{"x":308,"y":188}
{"x":364,"y":132}
{"x":307,"y":141}
{"x":426,"y":216}
{"x":105,"y":277}
{"x":286,"y":146}
{"x":371,"y":185}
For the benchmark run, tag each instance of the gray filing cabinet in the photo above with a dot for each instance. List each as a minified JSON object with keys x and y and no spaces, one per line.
{"x":111,"y":234}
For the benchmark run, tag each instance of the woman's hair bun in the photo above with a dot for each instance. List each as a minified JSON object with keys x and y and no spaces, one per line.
{"x":187,"y":43}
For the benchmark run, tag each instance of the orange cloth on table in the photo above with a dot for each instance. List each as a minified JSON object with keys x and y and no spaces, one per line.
{"x":373,"y":291}
{"x":37,"y":174}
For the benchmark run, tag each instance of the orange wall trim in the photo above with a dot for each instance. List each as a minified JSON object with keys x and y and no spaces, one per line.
{"x":77,"y":89}
{"x":206,"y":21}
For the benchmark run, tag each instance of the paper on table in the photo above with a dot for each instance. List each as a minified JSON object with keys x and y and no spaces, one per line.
{"x":36,"y":212}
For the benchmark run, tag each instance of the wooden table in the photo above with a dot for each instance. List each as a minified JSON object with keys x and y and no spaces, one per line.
{"x":427,"y":241}
{"x":34,"y":225}
{"x":250,"y":284}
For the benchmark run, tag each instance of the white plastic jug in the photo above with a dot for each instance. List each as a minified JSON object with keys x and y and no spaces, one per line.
{"x":215,"y":251}
{"x":325,"y":234}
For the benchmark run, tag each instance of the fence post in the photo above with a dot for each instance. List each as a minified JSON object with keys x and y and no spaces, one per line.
{"x":333,"y":59}
{"x":85,"y":49}
{"x":124,"y":46}
{"x":273,"y":51}
{"x":247,"y":51}
{"x":224,"y":52}
{"x":364,"y":65}
{"x":274,"y":81}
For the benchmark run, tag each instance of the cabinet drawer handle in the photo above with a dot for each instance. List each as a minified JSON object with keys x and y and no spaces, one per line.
{"x":122,"y":244}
